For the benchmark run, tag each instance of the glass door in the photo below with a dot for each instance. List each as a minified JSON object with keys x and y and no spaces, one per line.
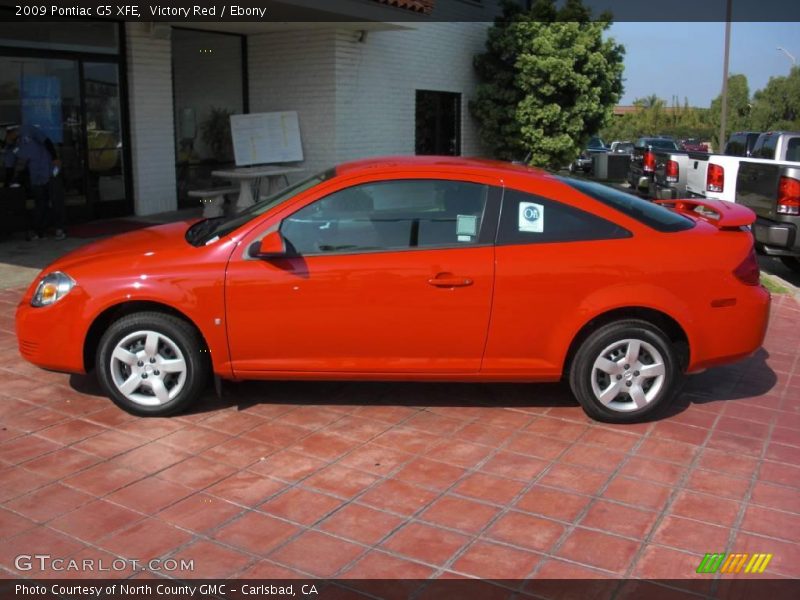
{"x":105,"y":181}
{"x":46,"y":93}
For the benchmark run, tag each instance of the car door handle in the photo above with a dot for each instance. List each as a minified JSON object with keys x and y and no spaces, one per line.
{"x":449,"y":281}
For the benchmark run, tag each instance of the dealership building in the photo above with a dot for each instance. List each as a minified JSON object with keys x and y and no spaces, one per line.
{"x":138,"y":109}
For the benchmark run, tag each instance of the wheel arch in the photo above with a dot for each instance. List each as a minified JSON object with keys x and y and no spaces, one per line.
{"x":666,"y":323}
{"x":103,"y":320}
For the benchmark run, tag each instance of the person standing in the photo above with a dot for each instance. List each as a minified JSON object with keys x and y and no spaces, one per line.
{"x":10,"y":150}
{"x":37,"y":151}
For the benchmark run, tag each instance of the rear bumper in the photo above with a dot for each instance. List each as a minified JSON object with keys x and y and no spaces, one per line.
{"x":662,"y":191}
{"x":732,"y":332}
{"x":640,"y":180}
{"x":776,"y":238}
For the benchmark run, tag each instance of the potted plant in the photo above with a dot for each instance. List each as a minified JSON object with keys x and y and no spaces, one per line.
{"x":216,"y":134}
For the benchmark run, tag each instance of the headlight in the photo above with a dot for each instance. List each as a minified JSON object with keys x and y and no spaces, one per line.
{"x":52,"y":288}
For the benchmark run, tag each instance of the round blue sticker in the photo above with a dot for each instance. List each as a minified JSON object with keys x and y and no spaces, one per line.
{"x":531,"y":214}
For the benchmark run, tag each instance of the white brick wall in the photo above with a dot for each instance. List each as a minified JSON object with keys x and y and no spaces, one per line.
{"x":356,"y":99}
{"x":377,"y":83}
{"x":152,"y":125}
{"x":295,"y":70}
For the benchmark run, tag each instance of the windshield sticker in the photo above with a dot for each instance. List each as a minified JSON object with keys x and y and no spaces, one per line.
{"x":531,"y":217}
{"x":466,"y":225}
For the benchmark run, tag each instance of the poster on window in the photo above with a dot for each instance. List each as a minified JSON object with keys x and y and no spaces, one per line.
{"x":265,"y":138}
{"x":41,"y":105}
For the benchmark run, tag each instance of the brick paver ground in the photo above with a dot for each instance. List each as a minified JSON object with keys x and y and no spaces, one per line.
{"x":406,"y":480}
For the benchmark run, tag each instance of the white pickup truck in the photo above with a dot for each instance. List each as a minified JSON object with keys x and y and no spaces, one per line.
{"x":714,"y":175}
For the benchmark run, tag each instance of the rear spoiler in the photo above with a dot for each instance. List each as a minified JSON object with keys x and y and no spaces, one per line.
{"x":722,"y":214}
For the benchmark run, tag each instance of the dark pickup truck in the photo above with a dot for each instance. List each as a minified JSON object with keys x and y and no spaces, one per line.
{"x":643,"y":161}
{"x":772,"y":190}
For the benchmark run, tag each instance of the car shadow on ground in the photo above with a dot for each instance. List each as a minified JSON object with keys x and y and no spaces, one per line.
{"x":774,"y":266}
{"x":746,"y":379}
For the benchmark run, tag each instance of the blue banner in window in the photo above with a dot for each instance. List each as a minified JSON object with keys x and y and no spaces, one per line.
{"x":41,"y":105}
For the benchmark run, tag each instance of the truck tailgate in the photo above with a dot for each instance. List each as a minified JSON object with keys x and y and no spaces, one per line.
{"x":757,"y":187}
{"x":696,"y":173}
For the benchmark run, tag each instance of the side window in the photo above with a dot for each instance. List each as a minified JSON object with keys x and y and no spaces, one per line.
{"x":767,"y":149}
{"x":793,"y":149}
{"x":529,"y":219}
{"x":390,"y":215}
{"x":735,"y":147}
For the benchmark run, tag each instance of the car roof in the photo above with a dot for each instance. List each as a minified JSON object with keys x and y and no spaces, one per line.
{"x":456,"y":164}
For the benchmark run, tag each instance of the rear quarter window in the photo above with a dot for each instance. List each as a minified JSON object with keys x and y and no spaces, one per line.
{"x":530,"y":219}
{"x":653,"y":215}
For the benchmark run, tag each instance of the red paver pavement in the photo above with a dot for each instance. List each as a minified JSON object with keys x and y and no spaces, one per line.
{"x":405,"y":480}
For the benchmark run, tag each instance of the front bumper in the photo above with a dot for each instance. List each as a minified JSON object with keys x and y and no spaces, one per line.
{"x":51,"y":337}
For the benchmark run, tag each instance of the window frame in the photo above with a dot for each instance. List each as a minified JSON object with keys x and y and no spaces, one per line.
{"x":486,"y":235}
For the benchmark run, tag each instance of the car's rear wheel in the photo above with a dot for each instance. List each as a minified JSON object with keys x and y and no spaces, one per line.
{"x":792,"y":262}
{"x":152,"y":364}
{"x":625,"y":371}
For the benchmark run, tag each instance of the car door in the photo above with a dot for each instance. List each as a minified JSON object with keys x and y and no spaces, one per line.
{"x":550,"y":257}
{"x":388,"y":276}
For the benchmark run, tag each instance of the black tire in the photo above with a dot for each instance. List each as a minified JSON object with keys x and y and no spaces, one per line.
{"x":171,"y":330}
{"x":792,"y":263}
{"x":582,"y":371}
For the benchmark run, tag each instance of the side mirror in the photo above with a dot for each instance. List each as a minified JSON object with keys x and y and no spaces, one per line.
{"x":271,"y":246}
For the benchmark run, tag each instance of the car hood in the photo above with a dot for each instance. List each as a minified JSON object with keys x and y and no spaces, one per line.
{"x":135,"y":245}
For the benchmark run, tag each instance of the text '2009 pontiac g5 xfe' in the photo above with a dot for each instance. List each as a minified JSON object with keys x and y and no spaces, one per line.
{"x":411,"y":269}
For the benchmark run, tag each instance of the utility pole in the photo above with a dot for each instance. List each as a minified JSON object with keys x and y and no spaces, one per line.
{"x":723,"y":121}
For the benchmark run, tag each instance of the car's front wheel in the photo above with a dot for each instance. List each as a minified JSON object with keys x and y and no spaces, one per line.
{"x":152,"y":364}
{"x":625,"y":371}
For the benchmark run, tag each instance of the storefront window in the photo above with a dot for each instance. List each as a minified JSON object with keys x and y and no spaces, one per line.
{"x":74,"y":98}
{"x":203,"y":104}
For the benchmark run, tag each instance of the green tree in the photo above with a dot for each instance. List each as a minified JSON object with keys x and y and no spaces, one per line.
{"x":548,"y":82}
{"x":653,"y":118}
{"x":777,"y":106}
{"x":738,"y":118}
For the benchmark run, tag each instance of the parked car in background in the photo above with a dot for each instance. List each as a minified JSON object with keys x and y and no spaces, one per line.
{"x":411,"y":268}
{"x":585,"y":160}
{"x":643,"y":161}
{"x":772,"y":190}
{"x":714,"y":175}
{"x":693,"y":145}
{"x":621,"y":147}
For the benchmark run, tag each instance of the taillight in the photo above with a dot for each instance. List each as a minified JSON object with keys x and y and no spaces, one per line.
{"x":748,"y":272}
{"x":789,"y":196}
{"x":672,"y":171}
{"x":649,"y":162}
{"x":715,"y":179}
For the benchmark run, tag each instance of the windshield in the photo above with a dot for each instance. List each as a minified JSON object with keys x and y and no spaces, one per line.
{"x":596,"y":144}
{"x":210,"y":229}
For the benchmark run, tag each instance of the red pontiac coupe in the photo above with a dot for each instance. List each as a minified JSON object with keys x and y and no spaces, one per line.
{"x":429,"y":268}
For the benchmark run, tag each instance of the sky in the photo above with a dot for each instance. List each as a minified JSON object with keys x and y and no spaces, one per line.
{"x":685,"y":59}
